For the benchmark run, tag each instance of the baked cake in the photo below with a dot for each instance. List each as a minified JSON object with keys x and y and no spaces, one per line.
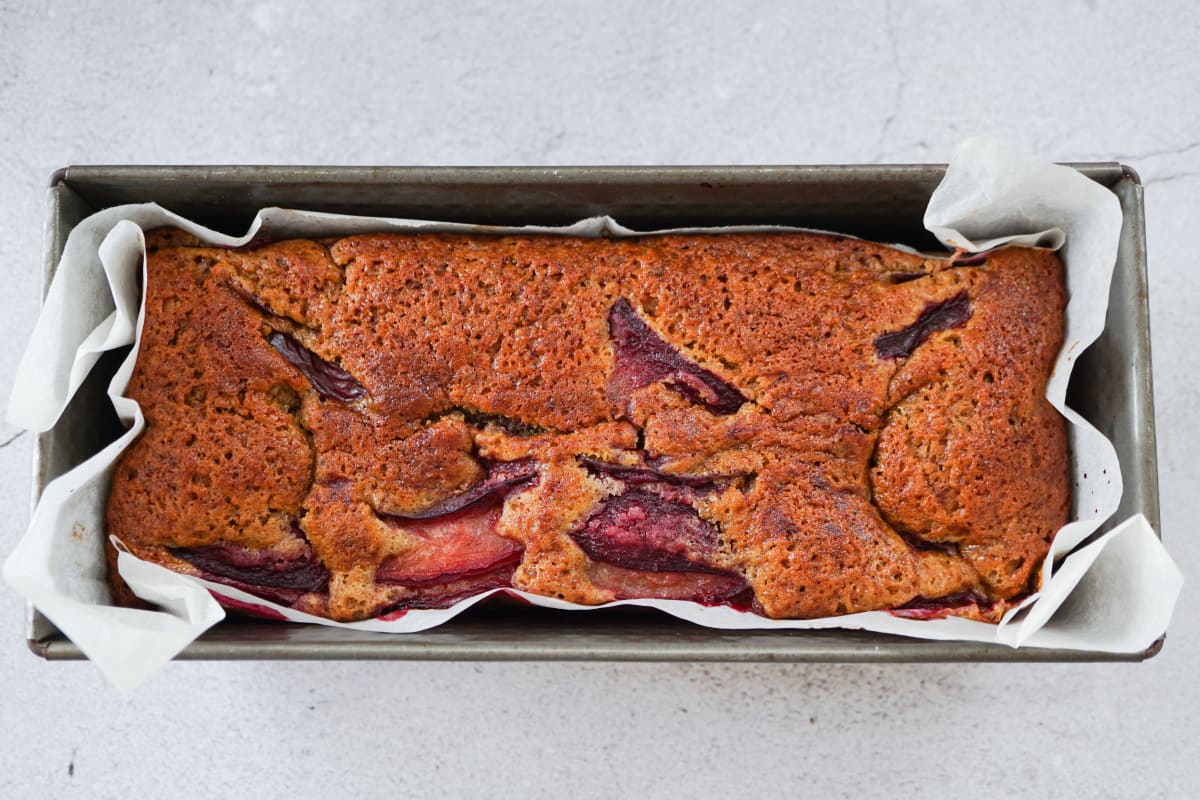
{"x":794,"y":424}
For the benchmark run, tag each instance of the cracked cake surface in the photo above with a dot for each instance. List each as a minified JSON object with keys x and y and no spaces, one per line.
{"x":795,"y":424}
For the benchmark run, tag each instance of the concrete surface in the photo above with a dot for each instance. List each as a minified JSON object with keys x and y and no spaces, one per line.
{"x":613,"y":82}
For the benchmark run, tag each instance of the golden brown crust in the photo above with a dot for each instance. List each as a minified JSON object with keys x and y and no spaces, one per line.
{"x":858,"y":474}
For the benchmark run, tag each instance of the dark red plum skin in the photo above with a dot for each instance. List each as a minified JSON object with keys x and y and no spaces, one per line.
{"x":642,"y":359}
{"x":969,"y":259}
{"x":256,"y":568}
{"x":249,"y":609}
{"x":265,"y":574}
{"x":940,"y":607}
{"x":952,"y":313}
{"x":327,"y":378}
{"x":642,"y":531}
{"x":502,"y":478}
{"x":639,"y":475}
{"x":920,"y":544}
{"x":438,"y":596}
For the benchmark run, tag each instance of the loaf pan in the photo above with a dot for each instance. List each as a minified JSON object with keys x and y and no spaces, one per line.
{"x":1111,"y":384}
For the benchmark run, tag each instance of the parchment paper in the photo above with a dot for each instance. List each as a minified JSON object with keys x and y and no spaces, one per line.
{"x":1115,"y":595}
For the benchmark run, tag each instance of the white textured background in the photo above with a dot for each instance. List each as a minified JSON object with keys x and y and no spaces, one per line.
{"x":610,"y":83}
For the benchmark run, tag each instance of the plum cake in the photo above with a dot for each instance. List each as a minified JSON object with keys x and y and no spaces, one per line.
{"x":796,"y":425}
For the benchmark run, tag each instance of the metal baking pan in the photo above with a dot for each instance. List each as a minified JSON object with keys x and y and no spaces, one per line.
{"x":1111,"y":385}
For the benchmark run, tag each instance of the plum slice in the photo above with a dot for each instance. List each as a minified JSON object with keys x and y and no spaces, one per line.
{"x":939,"y":607}
{"x":272,"y":573}
{"x":637,"y":475}
{"x":249,"y":609}
{"x":452,"y":547}
{"x":502,"y":477}
{"x":458,"y":541}
{"x":700,"y":587}
{"x":444,"y":595}
{"x":329,"y":379}
{"x":941,"y":316}
{"x":962,"y":258}
{"x":642,"y":359}
{"x":643,"y":531}
{"x":643,"y":545}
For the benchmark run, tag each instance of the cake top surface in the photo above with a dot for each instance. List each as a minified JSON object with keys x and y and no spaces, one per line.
{"x":846,"y":425}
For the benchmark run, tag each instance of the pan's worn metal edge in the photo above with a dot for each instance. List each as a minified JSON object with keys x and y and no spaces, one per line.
{"x":37,"y":627}
{"x":69,"y":191}
{"x":644,"y":639}
{"x":1135,"y":214}
{"x":1105,"y":172}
